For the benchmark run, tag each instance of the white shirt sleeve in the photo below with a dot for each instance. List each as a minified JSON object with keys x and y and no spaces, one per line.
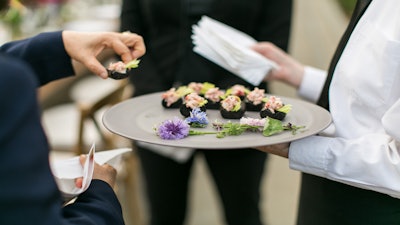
{"x":391,"y":121}
{"x":370,"y":162}
{"x":312,"y":83}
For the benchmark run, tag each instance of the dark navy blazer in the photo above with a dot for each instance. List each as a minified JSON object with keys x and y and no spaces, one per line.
{"x":28,"y":192}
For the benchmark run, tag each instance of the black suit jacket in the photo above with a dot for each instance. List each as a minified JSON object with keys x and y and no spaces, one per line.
{"x":167,"y":28}
{"x":28,"y":192}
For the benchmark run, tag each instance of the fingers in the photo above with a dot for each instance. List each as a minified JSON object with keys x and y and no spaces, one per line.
{"x":103,"y":172}
{"x":128,"y":46}
{"x":135,"y":43}
{"x":79,"y":181}
{"x":110,"y":169}
{"x":123,"y":51}
{"x":84,"y":47}
{"x":82,"y":159}
{"x":278,"y":149}
{"x":290,"y":70}
{"x":131,"y":46}
{"x":270,"y":51}
{"x":264,"y":48}
{"x":106,"y":173}
{"x":96,"y":67}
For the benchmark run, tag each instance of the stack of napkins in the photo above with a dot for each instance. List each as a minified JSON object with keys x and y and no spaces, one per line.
{"x":230,"y":49}
{"x":66,"y":171}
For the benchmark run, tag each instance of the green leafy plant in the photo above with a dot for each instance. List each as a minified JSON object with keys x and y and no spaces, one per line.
{"x":179,"y":128}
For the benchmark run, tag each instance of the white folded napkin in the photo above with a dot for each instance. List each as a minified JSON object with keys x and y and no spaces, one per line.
{"x":230,"y":49}
{"x":66,"y":171}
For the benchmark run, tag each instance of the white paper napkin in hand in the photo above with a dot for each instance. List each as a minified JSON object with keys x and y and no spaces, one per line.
{"x":230,"y":49}
{"x":66,"y":171}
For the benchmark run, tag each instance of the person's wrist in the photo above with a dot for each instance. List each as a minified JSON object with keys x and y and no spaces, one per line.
{"x":297,"y":75}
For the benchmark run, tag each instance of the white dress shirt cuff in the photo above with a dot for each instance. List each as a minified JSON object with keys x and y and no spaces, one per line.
{"x":308,"y":156}
{"x":312,"y":83}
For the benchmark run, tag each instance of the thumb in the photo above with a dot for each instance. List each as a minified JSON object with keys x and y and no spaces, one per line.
{"x":79,"y":180}
{"x":95,"y":66}
{"x":82,"y":159}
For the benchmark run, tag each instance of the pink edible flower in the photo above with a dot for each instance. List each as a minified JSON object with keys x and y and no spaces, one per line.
{"x":252,"y":121}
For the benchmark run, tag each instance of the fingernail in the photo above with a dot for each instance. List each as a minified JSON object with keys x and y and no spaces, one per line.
{"x":104,"y":75}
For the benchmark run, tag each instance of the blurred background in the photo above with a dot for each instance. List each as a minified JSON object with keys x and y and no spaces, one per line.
{"x":72,"y":107}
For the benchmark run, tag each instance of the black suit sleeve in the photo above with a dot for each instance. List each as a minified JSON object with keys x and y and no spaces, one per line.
{"x":28,"y":192}
{"x":97,"y":200}
{"x":39,"y":53}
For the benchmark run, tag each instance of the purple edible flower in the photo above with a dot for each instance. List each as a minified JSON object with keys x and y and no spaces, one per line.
{"x":197,"y":117}
{"x":173,"y":129}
